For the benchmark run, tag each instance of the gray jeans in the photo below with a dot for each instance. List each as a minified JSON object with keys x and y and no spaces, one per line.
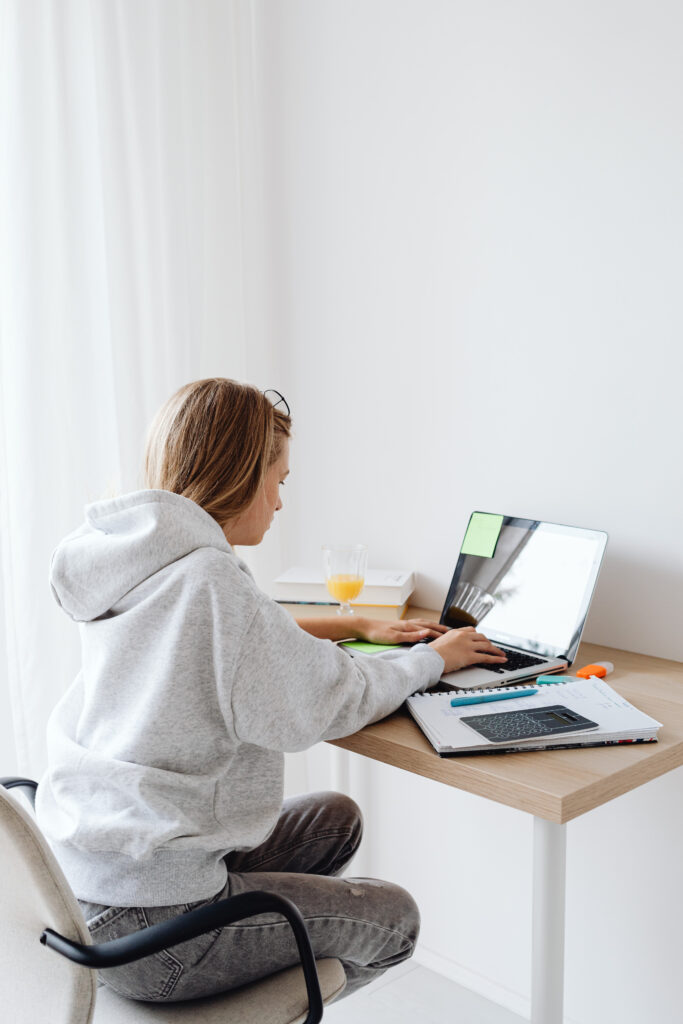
{"x":367,"y":924}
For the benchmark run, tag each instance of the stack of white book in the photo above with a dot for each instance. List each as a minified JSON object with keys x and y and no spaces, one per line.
{"x":385,"y":593}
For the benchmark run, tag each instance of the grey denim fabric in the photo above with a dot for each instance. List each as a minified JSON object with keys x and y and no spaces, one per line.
{"x":367,"y":924}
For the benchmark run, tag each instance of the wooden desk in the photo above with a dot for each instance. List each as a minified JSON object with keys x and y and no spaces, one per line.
{"x":554,"y":786}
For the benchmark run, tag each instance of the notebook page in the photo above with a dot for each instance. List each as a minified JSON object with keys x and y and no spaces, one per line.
{"x":593,"y":698}
{"x":612,"y":711}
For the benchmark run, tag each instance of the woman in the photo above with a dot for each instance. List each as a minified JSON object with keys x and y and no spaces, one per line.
{"x":164,"y":785}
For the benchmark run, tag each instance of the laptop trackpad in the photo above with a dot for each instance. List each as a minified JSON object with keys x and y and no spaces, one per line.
{"x":472,"y":678}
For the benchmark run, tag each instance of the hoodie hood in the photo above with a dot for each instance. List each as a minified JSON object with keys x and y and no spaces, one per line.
{"x":124,"y":541}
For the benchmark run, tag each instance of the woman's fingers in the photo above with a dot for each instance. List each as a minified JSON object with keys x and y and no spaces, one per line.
{"x":418,"y":634}
{"x":418,"y":629}
{"x":483,"y":641}
{"x":434,"y":628}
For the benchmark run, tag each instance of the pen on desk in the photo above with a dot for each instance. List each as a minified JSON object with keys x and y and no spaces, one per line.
{"x":283,"y":601}
{"x":460,"y":702}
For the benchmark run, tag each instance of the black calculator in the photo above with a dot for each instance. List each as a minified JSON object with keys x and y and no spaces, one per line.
{"x":507,"y":726}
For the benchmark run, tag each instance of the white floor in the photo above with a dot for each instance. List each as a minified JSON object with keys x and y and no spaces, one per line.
{"x":411,"y":994}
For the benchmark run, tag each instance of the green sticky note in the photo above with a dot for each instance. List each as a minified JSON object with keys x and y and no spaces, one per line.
{"x":482,"y":535}
{"x":364,"y":648}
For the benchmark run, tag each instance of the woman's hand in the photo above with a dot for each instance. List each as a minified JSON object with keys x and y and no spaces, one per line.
{"x":462,"y":647}
{"x":402,"y":631}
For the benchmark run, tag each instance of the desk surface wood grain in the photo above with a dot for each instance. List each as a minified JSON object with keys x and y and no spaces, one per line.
{"x":557,"y":785}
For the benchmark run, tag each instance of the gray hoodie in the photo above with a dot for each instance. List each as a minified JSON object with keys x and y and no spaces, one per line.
{"x":167,"y":751}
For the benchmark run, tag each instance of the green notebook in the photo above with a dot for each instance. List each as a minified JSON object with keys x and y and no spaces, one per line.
{"x":364,"y":648}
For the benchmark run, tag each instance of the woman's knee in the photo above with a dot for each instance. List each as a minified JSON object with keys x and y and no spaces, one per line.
{"x":387,"y":905}
{"x":374,"y":924}
{"x":337,"y":812}
{"x":403,"y":913}
{"x":339,"y":809}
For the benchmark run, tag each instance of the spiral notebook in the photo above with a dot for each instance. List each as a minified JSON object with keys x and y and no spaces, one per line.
{"x":618,"y":721}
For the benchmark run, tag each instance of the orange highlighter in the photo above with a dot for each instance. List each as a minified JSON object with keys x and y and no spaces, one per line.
{"x":600,"y":669}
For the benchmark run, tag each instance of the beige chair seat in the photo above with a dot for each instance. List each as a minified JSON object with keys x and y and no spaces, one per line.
{"x":279,"y":999}
{"x":38,"y":986}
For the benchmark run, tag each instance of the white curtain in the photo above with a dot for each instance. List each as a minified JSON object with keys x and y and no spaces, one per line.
{"x":129,"y":264}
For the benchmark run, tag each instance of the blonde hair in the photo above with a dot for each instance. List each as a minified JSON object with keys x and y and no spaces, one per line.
{"x":212,"y":442}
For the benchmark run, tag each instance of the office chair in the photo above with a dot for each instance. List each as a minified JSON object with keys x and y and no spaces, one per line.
{"x":45,"y":946}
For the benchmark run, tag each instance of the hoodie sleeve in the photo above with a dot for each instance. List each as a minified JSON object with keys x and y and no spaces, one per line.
{"x":291,"y":690}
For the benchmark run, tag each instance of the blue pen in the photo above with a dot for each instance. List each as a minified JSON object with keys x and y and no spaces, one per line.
{"x":460,"y":702}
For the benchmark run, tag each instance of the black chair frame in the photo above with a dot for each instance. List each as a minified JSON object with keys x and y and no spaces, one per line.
{"x":158,"y":937}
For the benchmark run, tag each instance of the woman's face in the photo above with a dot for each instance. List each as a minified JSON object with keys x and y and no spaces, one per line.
{"x":250,"y":527}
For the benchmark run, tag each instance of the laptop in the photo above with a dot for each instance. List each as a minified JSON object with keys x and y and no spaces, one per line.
{"x":527,"y":585}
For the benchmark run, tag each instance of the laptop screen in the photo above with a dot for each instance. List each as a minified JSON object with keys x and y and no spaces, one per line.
{"x":525,"y":583}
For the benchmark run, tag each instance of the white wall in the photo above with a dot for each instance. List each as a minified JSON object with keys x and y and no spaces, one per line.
{"x":476,"y":232}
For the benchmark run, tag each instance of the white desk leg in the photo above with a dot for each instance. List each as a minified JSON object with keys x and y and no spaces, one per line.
{"x":547,"y":939}
{"x":339,"y":770}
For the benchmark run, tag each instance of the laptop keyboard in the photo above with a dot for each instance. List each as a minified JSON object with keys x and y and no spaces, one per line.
{"x":515,"y":660}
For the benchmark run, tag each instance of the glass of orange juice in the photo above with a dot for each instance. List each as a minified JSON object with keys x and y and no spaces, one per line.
{"x":344,"y":566}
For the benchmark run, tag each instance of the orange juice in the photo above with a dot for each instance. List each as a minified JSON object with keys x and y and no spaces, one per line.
{"x":344,"y":587}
